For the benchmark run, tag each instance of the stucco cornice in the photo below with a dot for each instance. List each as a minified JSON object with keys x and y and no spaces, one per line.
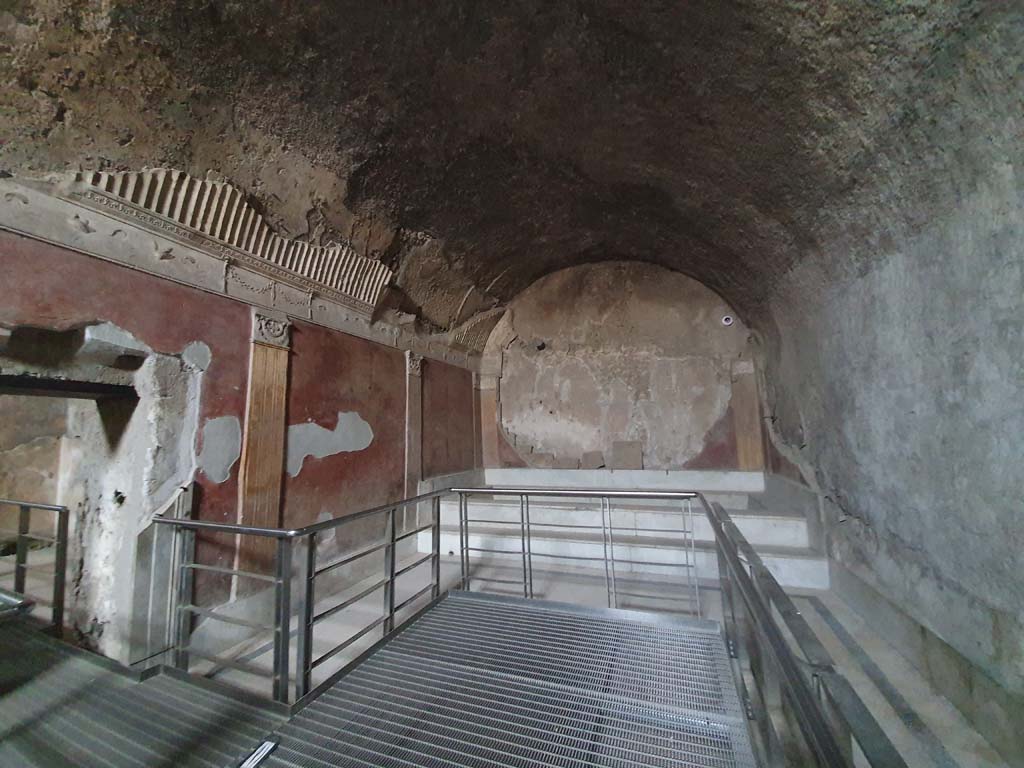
{"x":74,"y":215}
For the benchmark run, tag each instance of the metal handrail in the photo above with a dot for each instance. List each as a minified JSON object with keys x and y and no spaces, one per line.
{"x":33,"y":505}
{"x":334,"y":522}
{"x":60,"y":542}
{"x":607,"y":528}
{"x":286,"y":541}
{"x":591,"y":493}
{"x":294,"y":533}
{"x":815,"y":692}
{"x":813,"y":722}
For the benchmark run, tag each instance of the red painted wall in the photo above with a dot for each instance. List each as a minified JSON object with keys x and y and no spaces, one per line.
{"x":447,"y":419}
{"x":57,"y":289}
{"x":332,"y":372}
{"x":53,"y":288}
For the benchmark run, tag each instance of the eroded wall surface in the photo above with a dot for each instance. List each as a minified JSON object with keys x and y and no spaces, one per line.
{"x":31,"y":429}
{"x":618,"y":352}
{"x":345,"y":415}
{"x":898,"y":369}
{"x":124,"y":462}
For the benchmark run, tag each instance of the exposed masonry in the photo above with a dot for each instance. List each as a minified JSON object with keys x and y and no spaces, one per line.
{"x":221,"y":213}
{"x":604,"y":361}
{"x":122,"y":460}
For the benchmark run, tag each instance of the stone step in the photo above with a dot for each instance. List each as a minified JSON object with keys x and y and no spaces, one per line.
{"x":761,"y":527}
{"x":730,"y":488}
{"x":797,"y":567}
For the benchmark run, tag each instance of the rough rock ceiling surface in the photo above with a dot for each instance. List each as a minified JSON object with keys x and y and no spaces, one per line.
{"x":475,"y":147}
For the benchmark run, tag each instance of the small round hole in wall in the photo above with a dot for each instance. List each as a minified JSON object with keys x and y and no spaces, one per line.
{"x":728,"y":320}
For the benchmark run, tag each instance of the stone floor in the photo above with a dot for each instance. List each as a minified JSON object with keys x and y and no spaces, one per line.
{"x":924,"y":726}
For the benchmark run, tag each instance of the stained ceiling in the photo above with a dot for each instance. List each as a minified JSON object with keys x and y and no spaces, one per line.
{"x":476,"y":146}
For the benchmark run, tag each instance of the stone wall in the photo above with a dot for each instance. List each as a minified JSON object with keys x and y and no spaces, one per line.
{"x":593,"y":358}
{"x":31,"y":430}
{"x":126,"y":459}
{"x":897,"y":370}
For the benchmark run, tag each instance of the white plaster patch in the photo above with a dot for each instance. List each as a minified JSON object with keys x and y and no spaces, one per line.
{"x":222,"y":447}
{"x":351,"y":434}
{"x":198,"y":355}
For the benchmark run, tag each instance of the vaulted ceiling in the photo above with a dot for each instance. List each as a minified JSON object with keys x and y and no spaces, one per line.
{"x":477,"y":146}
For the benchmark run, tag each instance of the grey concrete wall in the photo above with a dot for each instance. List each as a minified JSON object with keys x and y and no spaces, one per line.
{"x":896,"y":366}
{"x":612,"y":352}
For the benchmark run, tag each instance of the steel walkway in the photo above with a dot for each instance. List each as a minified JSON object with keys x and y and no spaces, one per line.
{"x":491,"y":681}
{"x":476,"y":680}
{"x":61,"y":707}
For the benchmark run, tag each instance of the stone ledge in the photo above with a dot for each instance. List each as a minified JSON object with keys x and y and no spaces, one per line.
{"x":995,"y":712}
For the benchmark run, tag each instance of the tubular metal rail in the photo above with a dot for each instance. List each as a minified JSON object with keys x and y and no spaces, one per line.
{"x":687,"y":562}
{"x":23,"y":541}
{"x":779,"y":687}
{"x":310,"y":571}
{"x":803,"y":711}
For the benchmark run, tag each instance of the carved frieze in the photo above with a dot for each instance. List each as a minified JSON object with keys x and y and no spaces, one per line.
{"x":413,"y":364}
{"x":216,"y":217}
{"x":270,"y":328}
{"x":121,"y":233}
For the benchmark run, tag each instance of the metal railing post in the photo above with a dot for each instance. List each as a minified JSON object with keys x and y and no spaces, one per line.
{"x":834,"y":716}
{"x":611,"y":551}
{"x":60,"y":565}
{"x":464,"y":540}
{"x":692,"y":570}
{"x":307,"y":598}
{"x":529,"y":545}
{"x":435,"y":547}
{"x":282,"y":618}
{"x":522,"y":541}
{"x":21,"y":553}
{"x":728,"y":607}
{"x":183,"y":618}
{"x":604,"y":541}
{"x":389,"y":568}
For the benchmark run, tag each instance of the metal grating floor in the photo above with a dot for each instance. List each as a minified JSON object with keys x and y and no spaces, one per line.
{"x":60,"y":708}
{"x":481,"y":680}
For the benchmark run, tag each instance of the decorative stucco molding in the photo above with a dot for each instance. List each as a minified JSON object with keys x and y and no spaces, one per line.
{"x":271,"y":328}
{"x":216,"y":216}
{"x":473,"y":334}
{"x":50,"y":211}
{"x":413,"y":364}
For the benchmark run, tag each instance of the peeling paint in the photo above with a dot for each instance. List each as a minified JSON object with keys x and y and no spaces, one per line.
{"x":222,"y":446}
{"x":351,"y":434}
